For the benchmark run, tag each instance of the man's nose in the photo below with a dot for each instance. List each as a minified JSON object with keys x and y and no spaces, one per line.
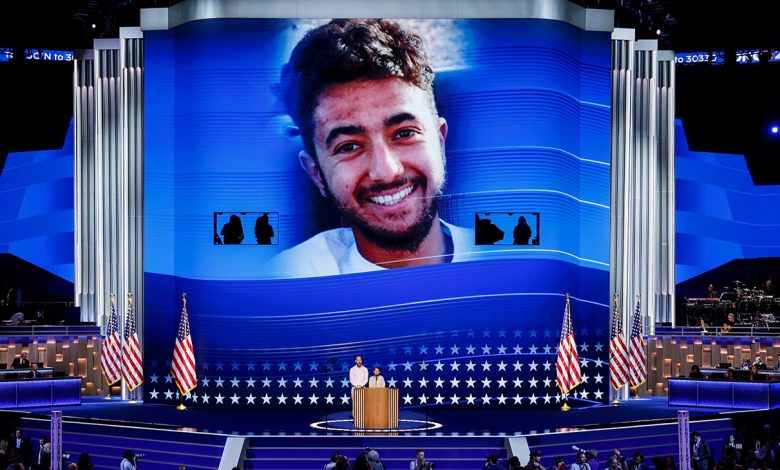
{"x":385,"y":165}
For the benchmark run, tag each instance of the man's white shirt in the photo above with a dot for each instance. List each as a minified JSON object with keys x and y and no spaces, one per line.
{"x":358,"y":376}
{"x":335,"y":252}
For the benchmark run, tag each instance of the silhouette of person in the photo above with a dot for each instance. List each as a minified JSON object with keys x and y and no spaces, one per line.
{"x":486,"y":232}
{"x":264,"y":232}
{"x":233,"y":232}
{"x":522,"y":232}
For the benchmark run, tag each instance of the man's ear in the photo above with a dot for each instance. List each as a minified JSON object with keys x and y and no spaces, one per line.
{"x":311,"y":168}
{"x":442,"y":131}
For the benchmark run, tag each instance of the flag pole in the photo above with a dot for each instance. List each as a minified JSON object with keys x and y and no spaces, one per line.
{"x":616,"y":312}
{"x":108,"y":385}
{"x":131,"y":312}
{"x":638,"y":302}
{"x":566,"y":406}
{"x":181,"y":406}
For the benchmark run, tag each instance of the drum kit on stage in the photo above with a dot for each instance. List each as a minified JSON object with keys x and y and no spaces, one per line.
{"x":751,"y":307}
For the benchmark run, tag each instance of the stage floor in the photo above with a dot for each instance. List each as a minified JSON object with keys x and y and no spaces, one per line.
{"x":470,"y":421}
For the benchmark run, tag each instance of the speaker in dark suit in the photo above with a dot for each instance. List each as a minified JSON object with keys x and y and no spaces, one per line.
{"x":21,"y":362}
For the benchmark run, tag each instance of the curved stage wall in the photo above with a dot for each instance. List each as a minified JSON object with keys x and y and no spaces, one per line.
{"x":721,"y":214}
{"x":36,"y":209}
{"x":527,"y":102}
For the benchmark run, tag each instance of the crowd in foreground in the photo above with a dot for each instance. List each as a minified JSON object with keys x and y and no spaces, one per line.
{"x":750,"y":447}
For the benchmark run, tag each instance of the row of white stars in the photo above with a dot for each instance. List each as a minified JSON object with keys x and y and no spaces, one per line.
{"x":439,"y":350}
{"x":314,"y":399}
{"x":439,"y":367}
{"x":392,"y":382}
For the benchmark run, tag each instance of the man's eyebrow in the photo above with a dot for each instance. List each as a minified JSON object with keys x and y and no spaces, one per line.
{"x":399,"y":118}
{"x":343,"y":130}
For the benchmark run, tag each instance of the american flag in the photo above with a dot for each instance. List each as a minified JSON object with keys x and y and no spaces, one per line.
{"x":110,"y":352}
{"x":618,"y":356}
{"x":132,"y":364}
{"x":568,"y":364}
{"x":183,"y":366}
{"x":636,"y":353}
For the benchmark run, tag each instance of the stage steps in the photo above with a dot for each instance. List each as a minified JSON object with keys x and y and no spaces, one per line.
{"x":307,"y":452}
{"x":163,"y":449}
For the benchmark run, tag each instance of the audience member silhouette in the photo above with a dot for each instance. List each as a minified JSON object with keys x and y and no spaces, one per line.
{"x":233,"y":232}
{"x":264,"y":232}
{"x":522,"y":232}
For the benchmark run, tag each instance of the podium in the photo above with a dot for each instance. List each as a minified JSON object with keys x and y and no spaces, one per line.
{"x":375,"y":408}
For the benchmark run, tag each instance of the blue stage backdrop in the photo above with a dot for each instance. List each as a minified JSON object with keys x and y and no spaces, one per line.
{"x":720,"y":215}
{"x":36,"y":208}
{"x":527,"y":105}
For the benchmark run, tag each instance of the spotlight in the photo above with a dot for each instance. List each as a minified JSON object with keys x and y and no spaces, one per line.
{"x":94,"y":26}
{"x":657,"y":32}
{"x":774,"y":130}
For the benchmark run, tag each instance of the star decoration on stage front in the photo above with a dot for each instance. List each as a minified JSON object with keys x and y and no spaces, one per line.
{"x":504,"y":368}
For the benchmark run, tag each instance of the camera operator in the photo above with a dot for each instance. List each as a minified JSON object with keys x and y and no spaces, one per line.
{"x":621,"y":461}
{"x":491,"y":463}
{"x":129,"y":460}
{"x":420,"y":463}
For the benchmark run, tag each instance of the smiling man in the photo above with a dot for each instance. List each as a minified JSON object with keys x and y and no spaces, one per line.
{"x":361,"y":94}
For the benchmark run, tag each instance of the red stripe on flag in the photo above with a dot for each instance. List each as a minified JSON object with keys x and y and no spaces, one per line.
{"x":183,"y":365}
{"x":567,"y":366}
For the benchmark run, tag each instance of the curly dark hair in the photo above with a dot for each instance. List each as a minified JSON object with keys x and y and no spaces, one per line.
{"x":346,"y":50}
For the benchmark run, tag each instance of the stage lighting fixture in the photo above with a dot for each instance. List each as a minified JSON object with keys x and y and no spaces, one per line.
{"x":774,"y":130}
{"x":658,"y":32}
{"x":94,"y":26}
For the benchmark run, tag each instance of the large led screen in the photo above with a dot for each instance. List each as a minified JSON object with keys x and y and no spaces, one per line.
{"x":315,"y":187}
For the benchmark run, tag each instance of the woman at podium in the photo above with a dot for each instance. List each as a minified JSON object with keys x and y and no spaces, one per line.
{"x":376,"y":380}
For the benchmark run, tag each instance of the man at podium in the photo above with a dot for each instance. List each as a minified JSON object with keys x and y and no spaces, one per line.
{"x":376,"y":380}
{"x":358,"y":375}
{"x":374,"y":406}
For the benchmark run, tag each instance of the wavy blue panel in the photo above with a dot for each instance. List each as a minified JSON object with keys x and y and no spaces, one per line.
{"x":720,"y":214}
{"x":36,"y":207}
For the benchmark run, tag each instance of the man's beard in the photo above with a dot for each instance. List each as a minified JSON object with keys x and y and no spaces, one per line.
{"x":410,"y":239}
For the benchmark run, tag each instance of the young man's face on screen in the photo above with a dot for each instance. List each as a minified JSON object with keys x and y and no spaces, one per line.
{"x":380,"y":147}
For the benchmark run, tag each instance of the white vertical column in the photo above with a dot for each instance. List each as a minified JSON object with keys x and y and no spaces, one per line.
{"x":645,"y":227}
{"x":84,"y":197}
{"x":108,"y":108}
{"x":132,"y":164}
{"x":621,"y":164}
{"x":665,"y":196}
{"x":109,"y":178}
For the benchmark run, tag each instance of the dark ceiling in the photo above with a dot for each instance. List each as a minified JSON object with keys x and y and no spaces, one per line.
{"x":724,"y":108}
{"x":685,"y":25}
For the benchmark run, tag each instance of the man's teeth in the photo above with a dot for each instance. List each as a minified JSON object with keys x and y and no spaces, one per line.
{"x":390,"y":199}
